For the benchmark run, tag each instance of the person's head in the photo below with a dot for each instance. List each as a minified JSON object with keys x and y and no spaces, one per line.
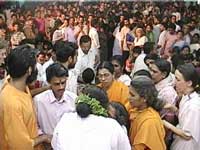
{"x":21,"y":62}
{"x":163,"y":26}
{"x":137,"y":50}
{"x":16,"y":26}
{"x":94,"y":22}
{"x":71,"y":21}
{"x":88,"y":75}
{"x":139,"y":32}
{"x":41,"y":57}
{"x":85,"y":43}
{"x":185,"y":50}
{"x":171,"y":28}
{"x":173,"y":19}
{"x":143,"y":94}
{"x":149,"y":28}
{"x":186,"y":29}
{"x":150,"y":59}
{"x":187,"y":79}
{"x":148,"y":47}
{"x":160,"y":69}
{"x":66,"y":53}
{"x":105,"y":72}
{"x":84,"y":109}
{"x":117,"y":62}
{"x":180,"y":34}
{"x":195,"y":38}
{"x":118,"y":112}
{"x":56,"y":76}
{"x":142,"y":72}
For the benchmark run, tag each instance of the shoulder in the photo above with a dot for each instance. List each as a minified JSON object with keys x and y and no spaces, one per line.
{"x":70,"y":94}
{"x":43,"y":96}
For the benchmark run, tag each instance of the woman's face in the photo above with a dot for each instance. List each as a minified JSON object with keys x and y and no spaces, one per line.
{"x":134,"y":98}
{"x":117,"y":67}
{"x":156,"y":74}
{"x":139,"y":32}
{"x":105,"y":77}
{"x":180,"y":84}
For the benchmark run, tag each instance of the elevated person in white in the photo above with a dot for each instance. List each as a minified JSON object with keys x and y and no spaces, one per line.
{"x":86,"y":130}
{"x":86,"y":55}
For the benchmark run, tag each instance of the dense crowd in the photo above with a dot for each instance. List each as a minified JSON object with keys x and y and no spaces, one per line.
{"x":100,"y":75}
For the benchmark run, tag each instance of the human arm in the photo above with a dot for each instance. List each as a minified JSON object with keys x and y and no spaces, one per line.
{"x":39,"y":90}
{"x":176,"y":130}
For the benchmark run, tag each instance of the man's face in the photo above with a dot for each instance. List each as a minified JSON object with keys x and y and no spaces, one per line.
{"x":85,"y":47}
{"x":58,"y":85}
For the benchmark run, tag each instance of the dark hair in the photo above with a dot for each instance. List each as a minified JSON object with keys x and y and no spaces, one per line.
{"x":190,"y":74}
{"x":85,"y":39}
{"x":107,"y":65}
{"x":165,"y":25}
{"x":145,"y":87}
{"x":163,"y":65}
{"x":19,"y":60}
{"x":137,"y":49}
{"x":121,"y":115}
{"x":64,"y":50}
{"x":83,"y":110}
{"x":56,"y":70}
{"x":148,"y":47}
{"x":119,"y":59}
{"x":88,"y":75}
{"x":172,"y":26}
{"x":151,"y":56}
{"x":142,"y":72}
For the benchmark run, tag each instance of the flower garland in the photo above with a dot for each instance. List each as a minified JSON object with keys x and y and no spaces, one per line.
{"x":96,"y":107}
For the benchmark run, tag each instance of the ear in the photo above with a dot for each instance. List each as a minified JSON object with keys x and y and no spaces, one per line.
{"x":189,"y":83}
{"x":70,"y":59}
{"x":164,"y":75}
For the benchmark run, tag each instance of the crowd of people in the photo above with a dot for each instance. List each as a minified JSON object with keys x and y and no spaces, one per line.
{"x":100,"y":75}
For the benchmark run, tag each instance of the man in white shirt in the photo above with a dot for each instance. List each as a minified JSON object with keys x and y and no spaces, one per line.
{"x":86,"y":55}
{"x":66,"y":54}
{"x":52,"y":104}
{"x":94,"y":36}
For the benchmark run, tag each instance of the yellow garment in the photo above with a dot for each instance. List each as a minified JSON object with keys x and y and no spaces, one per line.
{"x":147,"y":130}
{"x":118,"y":92}
{"x":18,"y":126}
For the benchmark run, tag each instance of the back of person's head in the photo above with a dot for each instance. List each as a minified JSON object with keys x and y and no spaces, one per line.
{"x":146,"y":89}
{"x":56,"y":70}
{"x":137,"y":50}
{"x":85,"y":39}
{"x":94,"y":22}
{"x":118,"y":59}
{"x":189,"y":73}
{"x":142,"y":72}
{"x":163,"y":65}
{"x":64,"y":50}
{"x":93,"y":101}
{"x":88,"y":75}
{"x":148,"y":47}
{"x":19,"y":60}
{"x":150,"y":58}
{"x":121,"y":114}
{"x":106,"y":65}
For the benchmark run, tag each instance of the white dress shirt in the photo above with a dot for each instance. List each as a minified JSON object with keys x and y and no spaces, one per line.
{"x":49,"y":110}
{"x":90,"y":133}
{"x":85,"y":60}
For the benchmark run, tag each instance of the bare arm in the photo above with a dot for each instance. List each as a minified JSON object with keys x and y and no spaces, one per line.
{"x":176,"y":130}
{"x":39,"y":90}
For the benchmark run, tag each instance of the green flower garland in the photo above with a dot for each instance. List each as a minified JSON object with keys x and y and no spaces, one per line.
{"x":94,"y":104}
